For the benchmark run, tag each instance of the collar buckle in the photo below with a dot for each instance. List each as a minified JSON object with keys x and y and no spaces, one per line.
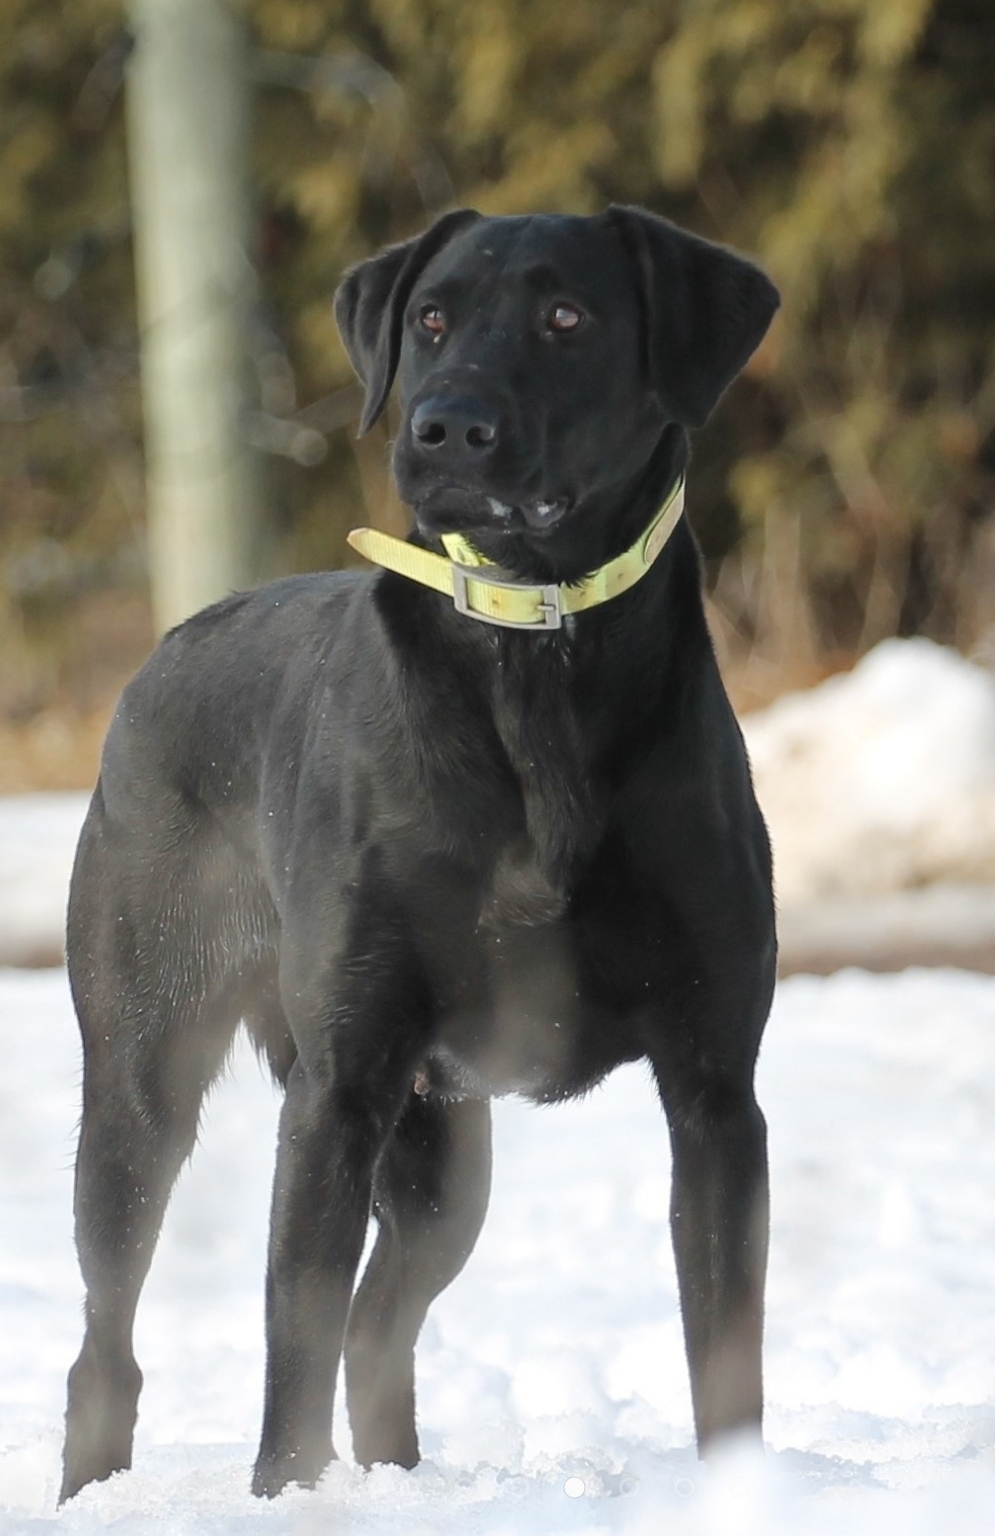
{"x":549,"y":604}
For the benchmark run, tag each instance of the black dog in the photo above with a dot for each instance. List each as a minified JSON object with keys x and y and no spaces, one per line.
{"x":426,"y":857}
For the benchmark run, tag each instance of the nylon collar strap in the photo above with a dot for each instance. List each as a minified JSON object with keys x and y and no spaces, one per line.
{"x":482,"y":591}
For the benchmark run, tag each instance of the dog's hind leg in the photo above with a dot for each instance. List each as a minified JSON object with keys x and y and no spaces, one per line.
{"x":155,"y":1034}
{"x":360,"y":1012}
{"x":430,"y":1196}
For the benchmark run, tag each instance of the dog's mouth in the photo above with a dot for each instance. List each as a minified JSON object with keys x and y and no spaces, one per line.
{"x":536,"y":516}
{"x":459,"y":509}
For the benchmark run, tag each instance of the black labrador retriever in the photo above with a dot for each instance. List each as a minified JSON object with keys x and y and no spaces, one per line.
{"x":461,"y":827}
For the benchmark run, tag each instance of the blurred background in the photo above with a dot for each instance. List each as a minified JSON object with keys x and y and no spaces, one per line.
{"x":843,"y":493}
{"x":182,"y":183}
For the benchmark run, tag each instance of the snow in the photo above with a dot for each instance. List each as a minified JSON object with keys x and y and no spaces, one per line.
{"x":553,"y":1391}
{"x":881,"y":778}
{"x":38,"y":835}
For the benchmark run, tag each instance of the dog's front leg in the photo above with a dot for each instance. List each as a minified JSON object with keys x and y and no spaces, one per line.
{"x":344,"y":1093}
{"x":719,"y":1223}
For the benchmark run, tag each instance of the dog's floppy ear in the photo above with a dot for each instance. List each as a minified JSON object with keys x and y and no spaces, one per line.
{"x":370,"y":301}
{"x":707,"y":310}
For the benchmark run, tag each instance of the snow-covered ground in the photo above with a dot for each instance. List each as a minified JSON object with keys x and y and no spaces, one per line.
{"x":553,"y":1390}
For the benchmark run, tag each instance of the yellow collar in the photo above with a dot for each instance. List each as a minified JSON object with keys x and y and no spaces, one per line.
{"x":482,"y":591}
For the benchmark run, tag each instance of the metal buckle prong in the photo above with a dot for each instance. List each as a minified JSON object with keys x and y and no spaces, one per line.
{"x":549,"y":604}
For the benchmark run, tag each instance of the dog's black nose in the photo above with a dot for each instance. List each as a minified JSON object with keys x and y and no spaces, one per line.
{"x":464,"y":427}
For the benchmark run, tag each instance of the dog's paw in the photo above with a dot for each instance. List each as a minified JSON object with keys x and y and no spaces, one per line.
{"x":100,"y":1419}
{"x":272,"y":1473}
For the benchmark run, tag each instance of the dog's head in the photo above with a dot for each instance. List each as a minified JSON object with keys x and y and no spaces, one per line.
{"x":539,"y":359}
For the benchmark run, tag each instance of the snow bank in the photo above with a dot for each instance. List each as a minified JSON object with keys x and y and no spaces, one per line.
{"x":553,"y":1390}
{"x":882,"y":778}
{"x":38,"y":835}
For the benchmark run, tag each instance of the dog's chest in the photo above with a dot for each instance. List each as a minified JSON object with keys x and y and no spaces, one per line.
{"x":520,"y":892}
{"x":515,"y":1023}
{"x":537,"y":997}
{"x":540,"y":725}
{"x":530,"y":1006}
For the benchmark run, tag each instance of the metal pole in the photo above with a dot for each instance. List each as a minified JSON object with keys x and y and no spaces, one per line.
{"x":187,"y":134}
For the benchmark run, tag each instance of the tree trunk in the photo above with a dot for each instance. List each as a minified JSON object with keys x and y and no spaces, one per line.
{"x":187,"y":130}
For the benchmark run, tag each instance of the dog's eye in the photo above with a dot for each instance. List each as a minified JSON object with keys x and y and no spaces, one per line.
{"x":564,"y":317}
{"x":432,"y":320}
